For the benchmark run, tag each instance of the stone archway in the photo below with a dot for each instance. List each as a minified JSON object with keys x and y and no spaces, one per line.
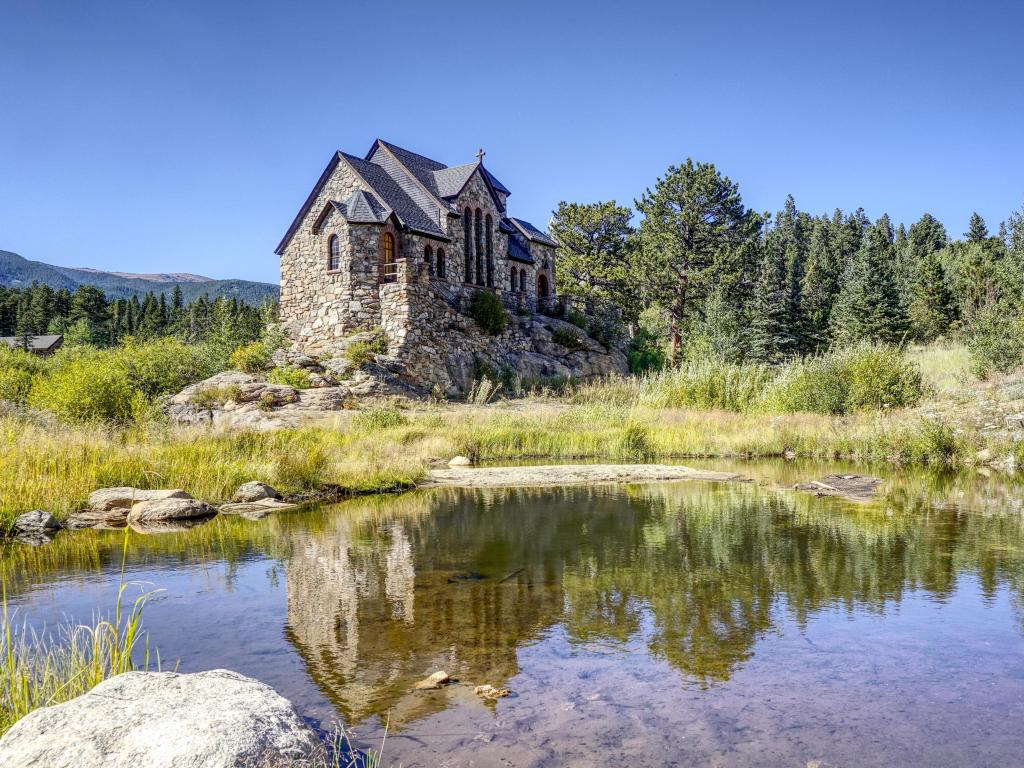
{"x":542,"y":286}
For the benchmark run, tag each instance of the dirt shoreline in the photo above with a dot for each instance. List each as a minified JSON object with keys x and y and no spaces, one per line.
{"x":569,"y":474}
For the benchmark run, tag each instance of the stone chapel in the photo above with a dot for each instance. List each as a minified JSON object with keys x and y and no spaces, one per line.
{"x":374,"y":225}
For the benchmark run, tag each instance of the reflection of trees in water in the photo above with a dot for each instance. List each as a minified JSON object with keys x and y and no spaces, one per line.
{"x":380,"y":592}
{"x":698,"y":572}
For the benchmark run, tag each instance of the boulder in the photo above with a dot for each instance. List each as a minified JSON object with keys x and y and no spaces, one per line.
{"x":256,"y":509}
{"x":164,"y":720}
{"x":111,"y":499}
{"x":459,"y":461}
{"x":36,"y":521}
{"x":255,"y":491}
{"x":160,"y":510}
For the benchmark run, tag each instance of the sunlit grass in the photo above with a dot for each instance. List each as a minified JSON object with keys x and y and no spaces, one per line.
{"x":42,"y":669}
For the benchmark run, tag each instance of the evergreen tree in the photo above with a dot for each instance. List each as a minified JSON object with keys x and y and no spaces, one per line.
{"x":869,"y":306}
{"x":977,"y":231}
{"x":694,"y":221}
{"x":770,"y":336}
{"x":821,"y":281}
{"x":933,"y":308}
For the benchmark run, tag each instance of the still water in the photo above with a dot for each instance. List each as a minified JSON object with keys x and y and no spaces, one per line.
{"x":674,"y":624}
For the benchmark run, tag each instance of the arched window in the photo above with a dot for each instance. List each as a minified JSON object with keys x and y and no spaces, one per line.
{"x":542,"y":286}
{"x":440,"y":262}
{"x":333,"y":253}
{"x":428,"y":259}
{"x":388,"y":263}
{"x":467,"y":235}
{"x":490,"y":252}
{"x":478,"y":242}
{"x":522,"y":279}
{"x":515,"y":273}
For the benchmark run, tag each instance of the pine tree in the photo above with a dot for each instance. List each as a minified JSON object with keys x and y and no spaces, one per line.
{"x":869,"y":306}
{"x":932,"y":307}
{"x":977,"y":232}
{"x":821,"y":282}
{"x":770,"y":336}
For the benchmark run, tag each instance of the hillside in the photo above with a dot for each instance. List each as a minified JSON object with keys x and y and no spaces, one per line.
{"x":18,"y":272}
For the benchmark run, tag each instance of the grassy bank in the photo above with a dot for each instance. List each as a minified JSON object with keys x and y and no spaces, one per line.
{"x":387,"y":449}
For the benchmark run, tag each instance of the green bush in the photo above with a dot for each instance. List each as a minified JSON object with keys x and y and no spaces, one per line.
{"x":362,"y":352}
{"x":89,"y":385}
{"x":576,"y":317}
{"x":865,"y":377}
{"x":293,"y":377}
{"x":379,"y":418}
{"x":646,"y":352}
{"x":18,"y":372}
{"x":486,"y":309}
{"x":567,"y":338}
{"x":251,"y":358}
{"x":166,"y":366}
{"x":995,"y":341}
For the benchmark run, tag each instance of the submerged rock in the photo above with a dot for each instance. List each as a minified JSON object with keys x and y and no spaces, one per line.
{"x":855,"y":487}
{"x":164,"y":720}
{"x":256,"y":509}
{"x":36,"y":521}
{"x":436,"y":680}
{"x":491,"y":692}
{"x":159,"y":510}
{"x":254,"y":491}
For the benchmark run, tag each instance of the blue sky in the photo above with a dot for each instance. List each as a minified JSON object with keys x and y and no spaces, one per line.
{"x":181,"y":135}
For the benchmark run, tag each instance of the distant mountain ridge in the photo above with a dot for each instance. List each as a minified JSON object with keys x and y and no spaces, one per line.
{"x":19,"y":272}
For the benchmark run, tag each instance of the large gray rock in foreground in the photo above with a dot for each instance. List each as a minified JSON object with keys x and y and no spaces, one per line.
{"x":216,"y":719}
{"x":255,"y":491}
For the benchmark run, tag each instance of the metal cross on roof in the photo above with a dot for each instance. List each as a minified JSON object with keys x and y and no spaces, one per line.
{"x":480,"y":155}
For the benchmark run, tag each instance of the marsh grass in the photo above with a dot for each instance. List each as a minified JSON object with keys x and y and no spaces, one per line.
{"x":41,"y":669}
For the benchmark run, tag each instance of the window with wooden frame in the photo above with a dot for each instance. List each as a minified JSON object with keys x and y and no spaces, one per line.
{"x":333,"y":253}
{"x":388,"y":261}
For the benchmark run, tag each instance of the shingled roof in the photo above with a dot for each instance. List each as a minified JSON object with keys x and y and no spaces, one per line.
{"x":533,"y":233}
{"x":362,"y":208}
{"x":414,"y":188}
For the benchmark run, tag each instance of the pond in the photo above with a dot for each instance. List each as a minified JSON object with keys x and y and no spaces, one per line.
{"x":668,"y":624}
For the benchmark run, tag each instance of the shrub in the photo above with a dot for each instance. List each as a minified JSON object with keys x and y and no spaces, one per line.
{"x":18,"y":371}
{"x":293,"y":377}
{"x":576,"y":317}
{"x":208,"y":397}
{"x":166,"y":366}
{"x":567,"y":338}
{"x":486,"y":309}
{"x":862,"y":378}
{"x":996,"y":342}
{"x":881,"y":377}
{"x":89,"y":385}
{"x":646,"y":352}
{"x":251,"y":358}
{"x":380,"y":418}
{"x":362,"y":352}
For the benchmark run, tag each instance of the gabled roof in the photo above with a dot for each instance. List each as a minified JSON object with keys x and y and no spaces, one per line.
{"x":35,"y":343}
{"x":414,"y":188}
{"x":532,"y":233}
{"x":398,"y":199}
{"x":362,"y":208}
{"x":450,"y":181}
